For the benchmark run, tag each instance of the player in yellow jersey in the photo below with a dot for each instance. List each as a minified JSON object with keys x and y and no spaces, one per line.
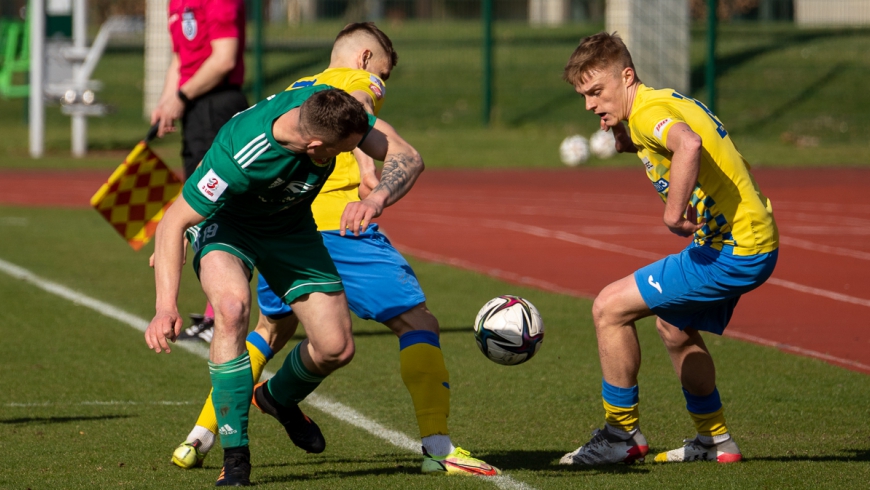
{"x":710,"y":195}
{"x":379,"y":284}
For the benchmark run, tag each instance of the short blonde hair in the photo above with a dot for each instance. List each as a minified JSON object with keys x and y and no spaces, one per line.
{"x":601,"y":51}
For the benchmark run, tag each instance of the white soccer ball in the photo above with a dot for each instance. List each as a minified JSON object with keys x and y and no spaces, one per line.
{"x":574,"y":150}
{"x":509,"y":330}
{"x":603,"y":144}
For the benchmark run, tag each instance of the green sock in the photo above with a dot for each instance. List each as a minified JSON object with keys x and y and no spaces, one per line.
{"x":293,"y":382}
{"x":233,"y":386}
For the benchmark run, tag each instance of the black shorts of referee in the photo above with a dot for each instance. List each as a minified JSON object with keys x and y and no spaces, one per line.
{"x":203,"y":118}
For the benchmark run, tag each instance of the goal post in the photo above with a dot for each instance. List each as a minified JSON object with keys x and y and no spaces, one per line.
{"x":657,"y":34}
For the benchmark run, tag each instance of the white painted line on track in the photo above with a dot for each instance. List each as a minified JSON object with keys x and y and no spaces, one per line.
{"x":609,"y":247}
{"x":322,"y":403}
{"x":797,"y":350}
{"x":819,"y":292}
{"x":816,"y":247}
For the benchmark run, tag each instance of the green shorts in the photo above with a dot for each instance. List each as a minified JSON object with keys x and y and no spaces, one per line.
{"x":294,"y":264}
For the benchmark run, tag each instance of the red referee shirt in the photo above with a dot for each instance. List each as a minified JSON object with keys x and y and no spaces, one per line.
{"x":194,"y":24}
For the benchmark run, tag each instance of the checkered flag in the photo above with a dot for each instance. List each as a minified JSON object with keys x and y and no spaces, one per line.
{"x":137,"y":194}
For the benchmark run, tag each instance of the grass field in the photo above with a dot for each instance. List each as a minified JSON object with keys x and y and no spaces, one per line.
{"x":87,"y":405}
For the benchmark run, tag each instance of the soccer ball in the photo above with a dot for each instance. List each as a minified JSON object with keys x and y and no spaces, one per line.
{"x":574,"y":150}
{"x":509,"y":330}
{"x":603,"y":144}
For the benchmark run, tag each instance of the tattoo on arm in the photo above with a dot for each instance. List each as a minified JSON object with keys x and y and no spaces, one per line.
{"x":400,"y":172}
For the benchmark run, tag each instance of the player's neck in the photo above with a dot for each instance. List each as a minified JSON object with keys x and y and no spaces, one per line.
{"x":287,"y":133}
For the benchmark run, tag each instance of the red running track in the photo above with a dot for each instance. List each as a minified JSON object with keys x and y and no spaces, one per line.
{"x":574,"y":231}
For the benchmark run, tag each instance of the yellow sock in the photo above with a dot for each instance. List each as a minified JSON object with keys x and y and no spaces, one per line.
{"x":256,"y":346}
{"x":710,"y":424}
{"x":623,"y":418}
{"x":427,"y":380}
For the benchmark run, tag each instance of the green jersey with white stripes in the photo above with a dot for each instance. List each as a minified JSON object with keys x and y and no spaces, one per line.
{"x":249,"y":178}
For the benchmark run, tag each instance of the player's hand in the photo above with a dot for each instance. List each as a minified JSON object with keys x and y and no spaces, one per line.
{"x":687,"y":225}
{"x":167,"y":112}
{"x":164,"y":328}
{"x":357,"y":216}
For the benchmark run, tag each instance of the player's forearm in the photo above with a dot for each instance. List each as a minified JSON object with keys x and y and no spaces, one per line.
{"x":685,"y":166}
{"x":401,"y":170}
{"x":168,"y":258}
{"x":623,"y":140}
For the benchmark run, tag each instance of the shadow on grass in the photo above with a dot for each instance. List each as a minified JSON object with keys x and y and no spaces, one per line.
{"x":858,"y":455}
{"x":387,"y":332}
{"x":312,"y":470}
{"x":60,"y":420}
{"x":549,"y":461}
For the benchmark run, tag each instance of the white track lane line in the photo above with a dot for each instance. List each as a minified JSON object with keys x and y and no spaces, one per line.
{"x":322,"y":403}
{"x":797,"y":350}
{"x":609,"y":247}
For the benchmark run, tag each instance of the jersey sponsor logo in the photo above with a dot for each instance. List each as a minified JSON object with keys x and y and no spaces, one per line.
{"x":661,"y":185}
{"x":302,"y":84}
{"x":299,"y":186}
{"x":660,"y":126}
{"x":377,"y":87}
{"x":212,"y":186}
{"x":188,"y":25}
{"x":647,"y":164}
{"x":173,"y":18}
{"x":654,"y":284}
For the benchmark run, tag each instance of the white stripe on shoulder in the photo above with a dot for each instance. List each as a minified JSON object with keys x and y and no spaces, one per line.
{"x":256,"y":155}
{"x":251,"y":143}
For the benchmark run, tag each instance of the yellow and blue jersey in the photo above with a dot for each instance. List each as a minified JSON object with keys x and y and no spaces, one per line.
{"x":341,"y":187}
{"x":737,"y":214}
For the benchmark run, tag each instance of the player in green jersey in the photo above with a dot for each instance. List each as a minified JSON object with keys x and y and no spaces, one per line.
{"x":251,"y":197}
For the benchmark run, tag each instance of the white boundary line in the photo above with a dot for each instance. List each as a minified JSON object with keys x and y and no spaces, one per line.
{"x":797,"y":350}
{"x":609,"y":247}
{"x":93,"y":403}
{"x":322,"y":403}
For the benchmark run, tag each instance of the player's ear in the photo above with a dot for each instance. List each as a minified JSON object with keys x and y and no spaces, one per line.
{"x":628,"y":76}
{"x":365,"y":57}
{"x":313,"y":145}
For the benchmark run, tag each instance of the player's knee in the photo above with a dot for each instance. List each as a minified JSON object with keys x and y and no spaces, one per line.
{"x":417,"y":318}
{"x":670,"y":335}
{"x":232,"y":310}
{"x":603,"y":308}
{"x":336,"y":355}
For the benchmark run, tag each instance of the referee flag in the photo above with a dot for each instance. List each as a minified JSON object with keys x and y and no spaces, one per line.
{"x":137,"y":194}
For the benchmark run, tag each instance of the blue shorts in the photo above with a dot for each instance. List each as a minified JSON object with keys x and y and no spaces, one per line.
{"x":378,"y":281}
{"x":700,"y":286}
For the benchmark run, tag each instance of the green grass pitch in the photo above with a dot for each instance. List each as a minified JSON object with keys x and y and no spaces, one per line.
{"x":86,"y":405}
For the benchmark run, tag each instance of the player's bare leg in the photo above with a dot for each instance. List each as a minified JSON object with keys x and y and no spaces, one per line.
{"x":225,"y":282}
{"x":328,"y":347}
{"x":614,"y":313}
{"x":427,"y":380}
{"x":697,"y":373}
{"x":269,"y":336}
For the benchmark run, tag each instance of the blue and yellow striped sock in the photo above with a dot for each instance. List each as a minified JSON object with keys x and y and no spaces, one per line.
{"x":260,"y":354}
{"x":708,"y":415}
{"x":293,"y":382}
{"x":427,"y":380}
{"x":233,"y":386}
{"x":620,"y":406}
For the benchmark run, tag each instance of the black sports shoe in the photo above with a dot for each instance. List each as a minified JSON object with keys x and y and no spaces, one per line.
{"x":301,"y":429}
{"x":201,"y":328}
{"x":237,"y":468}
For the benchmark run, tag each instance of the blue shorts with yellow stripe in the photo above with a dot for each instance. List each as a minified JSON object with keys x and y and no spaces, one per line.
{"x":700,"y":286}
{"x":378,"y":281}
